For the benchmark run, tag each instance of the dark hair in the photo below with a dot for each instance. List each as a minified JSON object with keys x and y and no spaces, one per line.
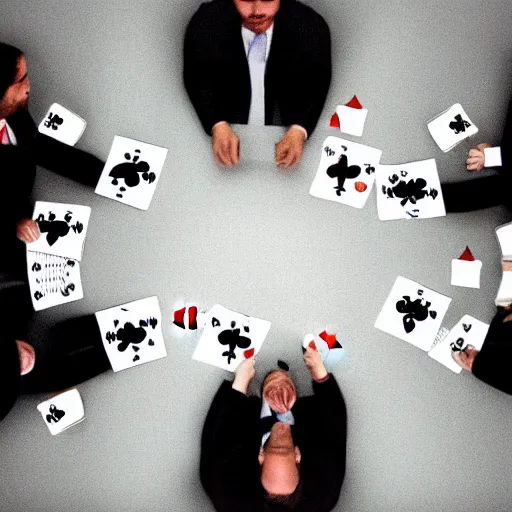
{"x":283,"y":503}
{"x":9,"y":58}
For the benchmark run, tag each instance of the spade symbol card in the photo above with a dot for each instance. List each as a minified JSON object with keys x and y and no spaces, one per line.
{"x":229,"y":338}
{"x":409,"y":191}
{"x":62,"y":411}
{"x":53,"y":280}
{"x":346,"y":172}
{"x":451,"y":127}
{"x":63,"y":125}
{"x":132,"y":333}
{"x":413,"y":313}
{"x":131,"y":173}
{"x":469,"y":331}
{"x":63,"y":228}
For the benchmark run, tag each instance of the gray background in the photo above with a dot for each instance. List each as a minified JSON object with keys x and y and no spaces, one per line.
{"x":420,"y":437}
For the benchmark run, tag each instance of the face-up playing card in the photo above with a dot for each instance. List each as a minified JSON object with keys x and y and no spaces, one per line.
{"x":466,"y":270}
{"x":62,"y":411}
{"x":413,"y":313}
{"x":469,"y":331}
{"x":53,"y":280}
{"x":346,"y":172}
{"x":409,"y":191}
{"x":451,"y":127}
{"x":63,"y":228}
{"x":63,"y":125}
{"x":131,"y":173}
{"x":229,"y":338}
{"x":132,"y":333}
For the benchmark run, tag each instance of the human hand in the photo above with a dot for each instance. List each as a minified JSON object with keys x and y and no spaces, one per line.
{"x":466,"y":358}
{"x":476,"y":158}
{"x":244,"y":374}
{"x":313,"y":360}
{"x":226,"y":145}
{"x":27,"y":230}
{"x":289,"y":148}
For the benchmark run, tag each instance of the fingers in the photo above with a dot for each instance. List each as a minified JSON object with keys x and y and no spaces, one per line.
{"x":287,"y":156}
{"x":28,"y":231}
{"x":226,"y":147}
{"x":475,"y":153}
{"x":481,"y":147}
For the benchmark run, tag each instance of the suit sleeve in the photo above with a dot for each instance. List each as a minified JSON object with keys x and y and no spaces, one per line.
{"x":313,"y":79}
{"x":226,"y":455}
{"x":201,"y":74}
{"x":68,"y":161}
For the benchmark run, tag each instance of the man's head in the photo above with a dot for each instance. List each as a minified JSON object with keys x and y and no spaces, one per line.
{"x":280,"y":458}
{"x":257,"y":15}
{"x":14,"y":81}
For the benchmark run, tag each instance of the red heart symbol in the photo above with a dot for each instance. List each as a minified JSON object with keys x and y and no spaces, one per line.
{"x":312,"y":345}
{"x":335,"y":121}
{"x":249,"y":353}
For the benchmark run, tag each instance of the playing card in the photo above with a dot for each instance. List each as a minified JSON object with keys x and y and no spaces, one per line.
{"x":413,"y":313}
{"x":131,"y":172}
{"x":132,"y":333}
{"x":466,"y":273}
{"x":352,"y":117}
{"x":53,"y":280}
{"x":492,"y":157}
{"x":469,"y":331}
{"x":63,"y":125}
{"x":229,"y":338}
{"x":409,"y":191}
{"x":63,"y":228}
{"x":451,"y":127}
{"x":62,"y":411}
{"x":346,"y":173}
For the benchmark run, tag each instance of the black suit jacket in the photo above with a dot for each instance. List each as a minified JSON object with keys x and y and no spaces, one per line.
{"x":231,"y":441}
{"x":298,"y":72}
{"x":18,"y":171}
{"x":492,"y":363}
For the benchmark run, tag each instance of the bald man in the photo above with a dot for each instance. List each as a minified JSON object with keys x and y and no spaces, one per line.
{"x":276,"y":453}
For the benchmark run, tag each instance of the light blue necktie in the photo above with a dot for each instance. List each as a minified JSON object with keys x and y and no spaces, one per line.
{"x":257,"y":62}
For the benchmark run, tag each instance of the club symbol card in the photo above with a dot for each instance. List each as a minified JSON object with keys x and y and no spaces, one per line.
{"x":63,"y":228}
{"x":346,"y":172}
{"x":466,"y":270}
{"x":53,"y":280}
{"x":451,"y":127}
{"x":351,"y":117}
{"x":62,"y":411}
{"x":409,"y":191}
{"x":469,"y":331}
{"x":229,"y":338}
{"x":131,"y":173}
{"x":132,"y":333}
{"x":328,"y":345}
{"x":63,"y":125}
{"x":413,"y":313}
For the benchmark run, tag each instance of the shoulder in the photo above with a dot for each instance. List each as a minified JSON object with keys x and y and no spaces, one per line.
{"x":21,"y":120}
{"x":213,"y":16}
{"x":298,"y":15}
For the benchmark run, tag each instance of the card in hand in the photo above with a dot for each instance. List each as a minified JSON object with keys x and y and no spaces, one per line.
{"x":53,"y":280}
{"x":409,"y":191}
{"x":451,"y":127}
{"x":229,"y":338}
{"x":132,"y":333}
{"x":131,"y":172}
{"x":62,"y":411}
{"x":413,"y":313}
{"x":346,"y":173}
{"x":63,"y":228}
{"x":468,"y":331}
{"x":63,"y":125}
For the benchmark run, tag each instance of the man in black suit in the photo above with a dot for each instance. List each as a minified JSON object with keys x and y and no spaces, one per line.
{"x":278,"y":453}
{"x":480,"y":193}
{"x":257,"y":62}
{"x":22,"y":148}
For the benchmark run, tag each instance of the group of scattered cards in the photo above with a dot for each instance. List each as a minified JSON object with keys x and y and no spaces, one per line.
{"x":414,"y":314}
{"x":132,"y":170}
{"x":348,"y":171}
